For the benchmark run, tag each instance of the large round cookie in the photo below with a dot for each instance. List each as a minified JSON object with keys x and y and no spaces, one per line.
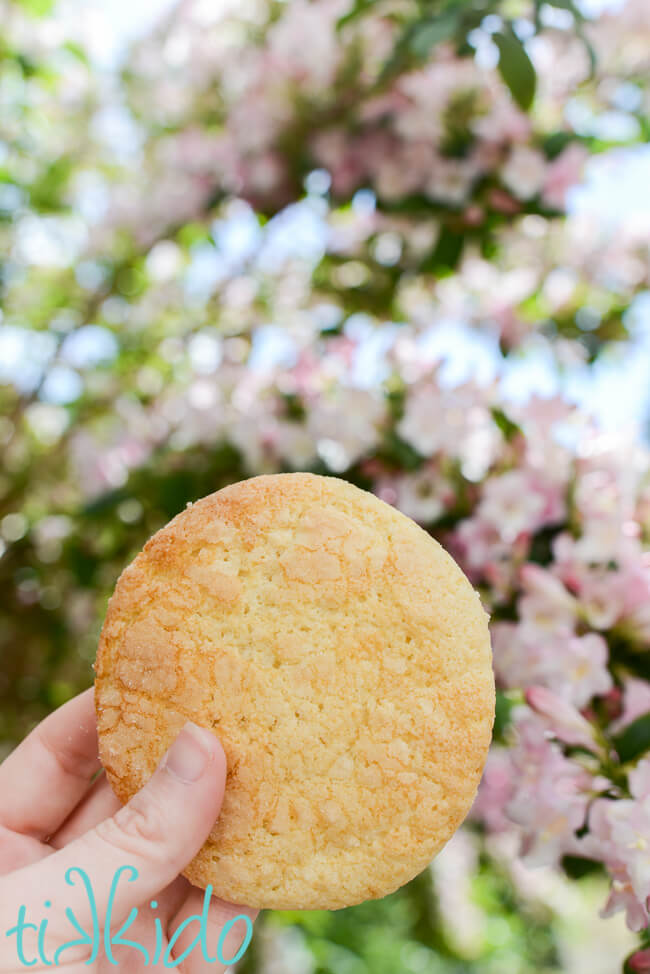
{"x":342,"y":659}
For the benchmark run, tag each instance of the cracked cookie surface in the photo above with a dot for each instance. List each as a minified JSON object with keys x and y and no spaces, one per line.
{"x":343,"y":660}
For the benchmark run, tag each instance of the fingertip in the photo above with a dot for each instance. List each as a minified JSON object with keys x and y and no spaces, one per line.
{"x":195,"y":751}
{"x":211,"y":742}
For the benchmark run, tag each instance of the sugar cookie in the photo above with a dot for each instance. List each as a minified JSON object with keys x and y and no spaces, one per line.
{"x":343,"y":660}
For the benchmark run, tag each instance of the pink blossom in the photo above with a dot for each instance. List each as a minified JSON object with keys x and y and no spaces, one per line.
{"x":473,"y":215}
{"x":573,"y":667}
{"x":587,"y":667}
{"x":620,"y":835}
{"x":451,"y":180}
{"x":546,"y":603}
{"x":551,"y":794}
{"x":515,"y":502}
{"x":562,"y":173}
{"x":511,"y":328}
{"x":542,"y":412}
{"x":601,"y":598}
{"x":495,"y":791}
{"x":607,"y":596}
{"x":485,"y":556}
{"x":346,"y":424}
{"x":314,"y":64}
{"x":424,"y":495}
{"x":502,"y":202}
{"x":476,"y":542}
{"x":461,"y":425}
{"x":524,"y":172}
{"x":399,"y":169}
{"x":639,"y":780}
{"x":504,"y":122}
{"x":639,"y":963}
{"x":636,"y":608}
{"x":562,"y":719}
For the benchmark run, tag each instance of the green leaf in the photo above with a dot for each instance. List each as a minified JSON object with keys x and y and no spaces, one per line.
{"x":360,"y":8}
{"x":516,"y":68}
{"x":446,"y":253}
{"x":38,"y":8}
{"x":192,"y":233}
{"x":613,"y":328}
{"x":397,"y":452}
{"x":77,"y":51}
{"x":48,"y":191}
{"x":428,"y":33}
{"x":556,"y":142}
{"x":505,"y":702}
{"x":509,"y":428}
{"x":295,"y":409}
{"x":634,"y":740}
{"x":591,"y":53}
{"x":578,"y":866}
{"x":541,"y":546}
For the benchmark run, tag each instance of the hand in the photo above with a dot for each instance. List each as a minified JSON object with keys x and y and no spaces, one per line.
{"x":53,"y":819}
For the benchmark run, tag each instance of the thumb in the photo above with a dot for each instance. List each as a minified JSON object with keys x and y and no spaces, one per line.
{"x":157,"y":833}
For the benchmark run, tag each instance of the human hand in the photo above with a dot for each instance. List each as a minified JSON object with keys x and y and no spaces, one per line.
{"x":54,"y":823}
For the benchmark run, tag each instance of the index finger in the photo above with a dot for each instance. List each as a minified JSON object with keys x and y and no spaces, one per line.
{"x":45,"y":778}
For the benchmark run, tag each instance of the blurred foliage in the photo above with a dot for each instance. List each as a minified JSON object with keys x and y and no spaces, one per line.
{"x":405,"y":932}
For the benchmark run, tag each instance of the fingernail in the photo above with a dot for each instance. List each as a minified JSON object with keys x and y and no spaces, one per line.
{"x":188,"y":757}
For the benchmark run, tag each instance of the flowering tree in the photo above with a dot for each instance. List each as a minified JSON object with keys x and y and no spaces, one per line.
{"x":245,"y":281}
{"x":408,"y":104}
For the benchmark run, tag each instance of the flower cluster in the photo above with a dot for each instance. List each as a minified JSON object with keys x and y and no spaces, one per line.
{"x":549,"y":517}
{"x":446,"y":128}
{"x":234,"y":106}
